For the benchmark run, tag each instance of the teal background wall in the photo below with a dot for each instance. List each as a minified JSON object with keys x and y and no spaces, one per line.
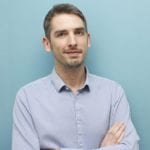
{"x":120,"y":32}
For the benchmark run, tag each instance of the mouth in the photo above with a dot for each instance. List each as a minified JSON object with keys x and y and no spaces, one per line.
{"x":73,"y":53}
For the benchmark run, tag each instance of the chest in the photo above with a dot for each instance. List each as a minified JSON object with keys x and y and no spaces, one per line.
{"x":73,"y":119}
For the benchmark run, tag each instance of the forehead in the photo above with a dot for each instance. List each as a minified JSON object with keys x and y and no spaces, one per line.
{"x":66,"y":22}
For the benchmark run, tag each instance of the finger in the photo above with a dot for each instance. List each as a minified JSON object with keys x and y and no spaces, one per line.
{"x":114,"y":129}
{"x":113,"y":135}
{"x":119,"y":132}
{"x":121,"y":137}
{"x":120,"y":128}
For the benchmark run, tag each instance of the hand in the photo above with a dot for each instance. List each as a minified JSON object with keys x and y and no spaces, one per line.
{"x":114,"y":135}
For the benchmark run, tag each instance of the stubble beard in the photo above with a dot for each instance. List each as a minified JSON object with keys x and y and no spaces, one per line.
{"x":70,"y":64}
{"x":75,"y":64}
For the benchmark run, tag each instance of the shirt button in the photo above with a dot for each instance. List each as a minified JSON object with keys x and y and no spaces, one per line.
{"x":67,"y":88}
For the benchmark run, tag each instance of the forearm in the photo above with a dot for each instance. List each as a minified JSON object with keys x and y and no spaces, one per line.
{"x":114,"y":147}
{"x":121,"y":147}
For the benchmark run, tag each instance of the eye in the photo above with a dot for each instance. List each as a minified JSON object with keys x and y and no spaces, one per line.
{"x":79,"y":32}
{"x":61,"y":34}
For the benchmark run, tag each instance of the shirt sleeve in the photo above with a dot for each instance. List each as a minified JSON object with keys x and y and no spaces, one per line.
{"x":24,"y":136}
{"x":115,"y":147}
{"x":120,"y":111}
{"x":119,"y":147}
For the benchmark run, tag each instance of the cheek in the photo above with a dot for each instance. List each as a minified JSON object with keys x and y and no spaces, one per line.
{"x":58,"y":50}
{"x":84,"y":45}
{"x":83,"y":41}
{"x":59,"y":45}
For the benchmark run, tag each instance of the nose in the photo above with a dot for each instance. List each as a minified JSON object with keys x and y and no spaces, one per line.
{"x":72,"y":41}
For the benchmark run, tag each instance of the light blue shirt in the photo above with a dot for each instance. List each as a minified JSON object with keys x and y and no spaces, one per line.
{"x":48,"y":115}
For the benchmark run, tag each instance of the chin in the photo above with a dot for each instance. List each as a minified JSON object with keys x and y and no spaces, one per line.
{"x":75,"y":64}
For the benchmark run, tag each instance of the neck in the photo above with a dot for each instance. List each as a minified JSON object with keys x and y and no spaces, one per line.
{"x":74,"y":78}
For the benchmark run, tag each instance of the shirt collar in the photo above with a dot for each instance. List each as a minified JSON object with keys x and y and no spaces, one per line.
{"x":57,"y":81}
{"x":60,"y":85}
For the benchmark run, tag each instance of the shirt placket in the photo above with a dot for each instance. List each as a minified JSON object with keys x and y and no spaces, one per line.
{"x":79,"y":121}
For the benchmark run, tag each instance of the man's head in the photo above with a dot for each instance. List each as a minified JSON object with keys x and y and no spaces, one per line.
{"x":66,"y":35}
{"x":61,"y":9}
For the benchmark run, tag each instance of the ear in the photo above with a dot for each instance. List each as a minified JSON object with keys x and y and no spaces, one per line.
{"x":89,"y":40}
{"x":46,"y":44}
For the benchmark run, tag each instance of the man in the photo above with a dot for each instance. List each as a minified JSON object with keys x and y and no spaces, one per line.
{"x":71,"y":108}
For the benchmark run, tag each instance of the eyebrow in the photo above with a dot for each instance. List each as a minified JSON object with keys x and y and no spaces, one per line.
{"x":64,"y":30}
{"x":59,"y":31}
{"x":81,"y":28}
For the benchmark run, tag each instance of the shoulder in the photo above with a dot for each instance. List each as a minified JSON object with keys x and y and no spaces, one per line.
{"x":108,"y":87}
{"x":103,"y":83}
{"x":35,"y":87}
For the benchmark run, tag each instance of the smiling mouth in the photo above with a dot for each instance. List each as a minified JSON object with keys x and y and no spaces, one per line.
{"x":73,"y":53}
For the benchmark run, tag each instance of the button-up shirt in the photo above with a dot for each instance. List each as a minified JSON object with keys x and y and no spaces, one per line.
{"x":48,"y":115}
